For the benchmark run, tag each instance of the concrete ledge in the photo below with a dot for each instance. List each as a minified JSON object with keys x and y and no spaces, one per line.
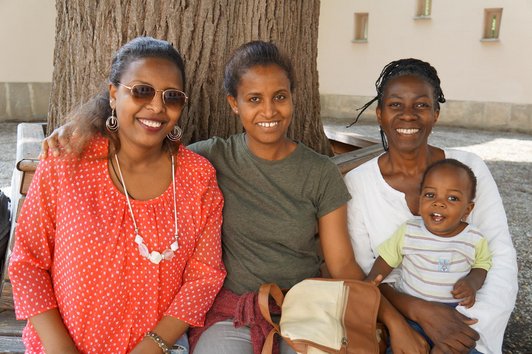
{"x":344,"y":106}
{"x":467,"y":114}
{"x":24,"y":101}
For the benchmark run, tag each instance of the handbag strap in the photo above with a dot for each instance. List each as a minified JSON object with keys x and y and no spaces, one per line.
{"x":267,"y":348}
{"x":265,"y":291}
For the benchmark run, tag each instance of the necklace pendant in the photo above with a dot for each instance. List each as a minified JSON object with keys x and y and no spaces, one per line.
{"x":168,"y":255}
{"x":155,"y":257}
{"x":143,"y":250}
{"x":174,"y":246}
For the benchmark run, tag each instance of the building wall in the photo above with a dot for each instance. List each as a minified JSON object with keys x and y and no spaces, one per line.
{"x":488,"y":84}
{"x":27,"y":32}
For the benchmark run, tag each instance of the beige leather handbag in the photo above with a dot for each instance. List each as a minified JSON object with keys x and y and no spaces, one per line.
{"x":325,"y":316}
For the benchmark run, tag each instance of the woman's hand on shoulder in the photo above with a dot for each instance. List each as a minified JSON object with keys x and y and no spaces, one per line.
{"x":64,"y":139}
{"x":446,"y":327}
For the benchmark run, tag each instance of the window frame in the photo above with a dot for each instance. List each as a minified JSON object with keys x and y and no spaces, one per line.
{"x":492,"y":24}
{"x":424,"y":10}
{"x":361,"y":27}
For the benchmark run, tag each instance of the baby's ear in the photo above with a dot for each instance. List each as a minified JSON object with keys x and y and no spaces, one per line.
{"x":469,"y":209}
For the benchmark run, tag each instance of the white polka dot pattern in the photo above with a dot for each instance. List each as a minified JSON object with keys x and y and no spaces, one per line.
{"x":75,"y":250}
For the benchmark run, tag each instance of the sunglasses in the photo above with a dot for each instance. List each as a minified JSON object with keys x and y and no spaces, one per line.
{"x":145,"y":93}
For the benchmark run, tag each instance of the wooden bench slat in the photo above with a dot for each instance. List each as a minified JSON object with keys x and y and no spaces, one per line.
{"x":9,"y":325}
{"x":353,"y":139}
{"x":29,"y":138}
{"x":11,"y":345}
{"x":349,"y":160}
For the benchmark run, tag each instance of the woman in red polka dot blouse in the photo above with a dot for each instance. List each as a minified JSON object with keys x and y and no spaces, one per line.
{"x":118,"y":249}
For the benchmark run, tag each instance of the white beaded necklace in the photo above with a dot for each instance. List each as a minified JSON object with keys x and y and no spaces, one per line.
{"x":154,"y":256}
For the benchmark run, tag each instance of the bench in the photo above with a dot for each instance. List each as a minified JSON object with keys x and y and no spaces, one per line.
{"x":351,"y":149}
{"x":29,"y":137}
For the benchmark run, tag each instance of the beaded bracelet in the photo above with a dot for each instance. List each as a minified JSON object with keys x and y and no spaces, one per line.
{"x":160,"y":342}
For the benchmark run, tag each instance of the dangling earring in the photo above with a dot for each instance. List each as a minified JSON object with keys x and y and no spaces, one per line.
{"x":383,"y":139}
{"x":112,"y":123}
{"x":175,"y":134}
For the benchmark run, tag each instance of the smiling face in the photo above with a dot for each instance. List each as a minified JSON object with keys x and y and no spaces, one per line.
{"x":146,"y":124}
{"x":445,"y":200}
{"x":264,"y":104}
{"x":407,"y":112}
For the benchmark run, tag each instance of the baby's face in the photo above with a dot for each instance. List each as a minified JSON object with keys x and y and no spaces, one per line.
{"x":445,"y":200}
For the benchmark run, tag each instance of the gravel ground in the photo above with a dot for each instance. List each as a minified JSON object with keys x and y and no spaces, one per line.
{"x":509,"y":157}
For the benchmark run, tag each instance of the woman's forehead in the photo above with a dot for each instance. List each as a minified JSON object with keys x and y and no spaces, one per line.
{"x":408,"y":83}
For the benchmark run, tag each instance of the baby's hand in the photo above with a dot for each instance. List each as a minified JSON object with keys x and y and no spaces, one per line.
{"x":463,"y":290}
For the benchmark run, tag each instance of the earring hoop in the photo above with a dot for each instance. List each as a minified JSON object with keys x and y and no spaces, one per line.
{"x":176,"y":134}
{"x":384,"y":140}
{"x":112,"y":123}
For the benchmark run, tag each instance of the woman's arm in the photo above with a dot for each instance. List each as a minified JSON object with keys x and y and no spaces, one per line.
{"x":446,"y":327}
{"x":336,"y":247}
{"x":169,"y":329}
{"x":53,"y":333}
{"x":204,"y":273}
{"x":32,"y":260}
{"x":403,"y":339}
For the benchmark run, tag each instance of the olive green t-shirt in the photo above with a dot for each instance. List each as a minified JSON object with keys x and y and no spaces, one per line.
{"x":271,"y":211}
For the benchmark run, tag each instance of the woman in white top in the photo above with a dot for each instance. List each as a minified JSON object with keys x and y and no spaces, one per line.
{"x":385,"y":194}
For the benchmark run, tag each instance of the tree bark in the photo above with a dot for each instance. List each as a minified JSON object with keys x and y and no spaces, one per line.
{"x":205,"y":32}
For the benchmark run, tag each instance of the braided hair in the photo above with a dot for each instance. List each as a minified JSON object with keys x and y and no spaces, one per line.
{"x":402,"y":67}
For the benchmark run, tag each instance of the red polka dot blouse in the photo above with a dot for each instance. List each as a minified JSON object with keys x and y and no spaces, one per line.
{"x":75,"y":250}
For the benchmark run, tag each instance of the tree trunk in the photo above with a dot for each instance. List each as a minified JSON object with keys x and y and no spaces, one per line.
{"x":205,"y":32}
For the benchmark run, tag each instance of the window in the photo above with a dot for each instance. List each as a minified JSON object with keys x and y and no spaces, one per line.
{"x":424,"y":8}
{"x":492,"y":23}
{"x":361,"y":27}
